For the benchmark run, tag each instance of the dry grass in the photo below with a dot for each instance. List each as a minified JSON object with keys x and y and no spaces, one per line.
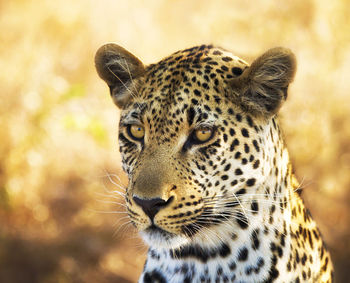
{"x":58,"y":125}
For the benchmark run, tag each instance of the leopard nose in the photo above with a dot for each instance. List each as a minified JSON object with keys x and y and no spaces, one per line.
{"x":152,"y":206}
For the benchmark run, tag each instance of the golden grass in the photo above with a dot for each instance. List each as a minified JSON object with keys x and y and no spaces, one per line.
{"x":58,"y":126}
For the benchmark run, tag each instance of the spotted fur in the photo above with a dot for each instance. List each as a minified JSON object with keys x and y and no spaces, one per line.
{"x":223,"y":210}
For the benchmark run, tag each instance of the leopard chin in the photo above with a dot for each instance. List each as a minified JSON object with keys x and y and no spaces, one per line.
{"x":156,"y":237}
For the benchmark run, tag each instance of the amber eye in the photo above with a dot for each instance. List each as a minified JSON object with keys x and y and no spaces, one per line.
{"x":203,"y":134}
{"x":136,"y":132}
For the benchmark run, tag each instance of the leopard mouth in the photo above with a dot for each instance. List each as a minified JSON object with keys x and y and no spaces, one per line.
{"x":156,"y":231}
{"x":158,"y":237}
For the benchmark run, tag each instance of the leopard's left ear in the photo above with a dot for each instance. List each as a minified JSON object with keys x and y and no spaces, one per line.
{"x":262,"y":88}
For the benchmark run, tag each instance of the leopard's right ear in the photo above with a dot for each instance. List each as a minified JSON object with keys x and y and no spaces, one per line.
{"x":119,"y":69}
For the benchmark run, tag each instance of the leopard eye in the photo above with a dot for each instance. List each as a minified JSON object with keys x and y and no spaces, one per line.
{"x":136,"y":132}
{"x":203,"y":134}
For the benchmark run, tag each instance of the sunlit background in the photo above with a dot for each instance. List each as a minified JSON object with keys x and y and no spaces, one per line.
{"x":61,"y":216}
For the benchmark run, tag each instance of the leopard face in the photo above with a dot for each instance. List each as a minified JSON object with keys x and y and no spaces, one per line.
{"x":197,"y":136}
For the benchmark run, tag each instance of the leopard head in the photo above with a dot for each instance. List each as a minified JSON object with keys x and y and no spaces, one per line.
{"x":194,"y":136}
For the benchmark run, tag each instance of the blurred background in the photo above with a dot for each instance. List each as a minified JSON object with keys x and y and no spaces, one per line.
{"x":61,"y":212}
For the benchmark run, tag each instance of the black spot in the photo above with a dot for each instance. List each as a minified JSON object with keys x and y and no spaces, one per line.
{"x":248,"y":270}
{"x":274,"y":273}
{"x":217,"y":109}
{"x":324,"y":267}
{"x":240,"y":192}
{"x":207,"y":108}
{"x":227,"y":167}
{"x":316,"y":234}
{"x":279,"y":251}
{"x":303,"y":259}
{"x":297,"y":258}
{"x":226,"y":59}
{"x":191,"y":251}
{"x":254,"y":206}
{"x":230,"y":111}
{"x":224,"y":177}
{"x":243,"y":254}
{"x":256,"y":164}
{"x":224,"y":250}
{"x":234,"y":144}
{"x":217,"y":98}
{"x":194,"y":101}
{"x":261,"y":262}
{"x":245,"y":132}
{"x":200,"y":253}
{"x":153,"y":276}
{"x":241,"y":220}
{"x":250,"y":121}
{"x":251,"y":182}
{"x":246,"y":148}
{"x":153,"y":254}
{"x":197,"y":92}
{"x":237,"y":71}
{"x":190,"y":115}
{"x":238,"y":171}
{"x":310,"y":239}
{"x":255,"y":143}
{"x":184,"y":268}
{"x":232,"y":265}
{"x":255,"y":239}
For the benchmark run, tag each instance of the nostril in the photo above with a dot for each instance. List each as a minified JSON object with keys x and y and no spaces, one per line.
{"x":152,"y":206}
{"x":149,"y":203}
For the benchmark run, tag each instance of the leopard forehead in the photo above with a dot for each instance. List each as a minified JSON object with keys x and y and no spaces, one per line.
{"x":191,"y":81}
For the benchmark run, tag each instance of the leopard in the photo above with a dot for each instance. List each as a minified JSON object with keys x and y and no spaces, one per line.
{"x":211,"y":188}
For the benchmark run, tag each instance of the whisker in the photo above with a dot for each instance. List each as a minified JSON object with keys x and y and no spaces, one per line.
{"x":109,"y":176}
{"x":110,"y":212}
{"x":110,"y":196}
